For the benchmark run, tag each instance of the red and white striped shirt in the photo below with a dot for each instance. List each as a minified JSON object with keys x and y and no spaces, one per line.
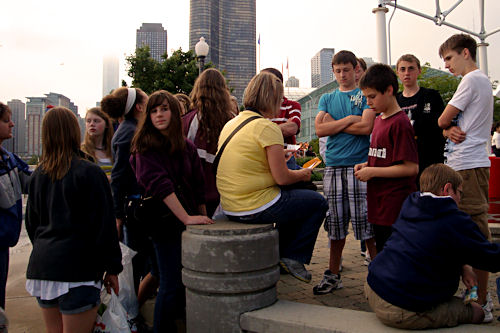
{"x":289,"y":110}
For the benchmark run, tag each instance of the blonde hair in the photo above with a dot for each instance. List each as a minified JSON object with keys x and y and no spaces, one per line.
{"x":264,"y":93}
{"x":88,"y":145}
{"x":60,"y":142}
{"x":436,"y":176}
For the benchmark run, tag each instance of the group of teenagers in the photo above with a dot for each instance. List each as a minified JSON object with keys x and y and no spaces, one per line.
{"x":199,"y":157}
{"x":382,"y":146}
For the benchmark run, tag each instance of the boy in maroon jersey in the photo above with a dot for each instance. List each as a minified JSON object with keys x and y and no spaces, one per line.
{"x":392,"y":158}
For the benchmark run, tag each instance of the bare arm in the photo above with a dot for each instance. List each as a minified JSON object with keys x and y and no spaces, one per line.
{"x":281,"y":174}
{"x":363,"y":127}
{"x":449,"y":113}
{"x":289,"y":128}
{"x":176,"y":207}
{"x":405,"y":169}
{"x":325,"y":125}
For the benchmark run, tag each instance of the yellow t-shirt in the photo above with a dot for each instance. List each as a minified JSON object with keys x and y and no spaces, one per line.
{"x":244,"y":179}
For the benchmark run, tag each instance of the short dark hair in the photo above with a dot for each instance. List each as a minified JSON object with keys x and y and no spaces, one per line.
{"x":408,"y":58}
{"x":344,"y":57}
{"x":362,"y":63}
{"x":274,"y":71}
{"x":379,"y":77}
{"x":458,"y":43}
{"x":4,"y":109}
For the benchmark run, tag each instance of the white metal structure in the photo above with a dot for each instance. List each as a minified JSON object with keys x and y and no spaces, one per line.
{"x":439,"y":19}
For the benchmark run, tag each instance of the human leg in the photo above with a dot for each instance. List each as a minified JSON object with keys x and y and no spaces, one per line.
{"x":335,"y":187}
{"x":80,"y":322}
{"x":474,"y":202}
{"x":382,"y":234}
{"x":52,"y":318}
{"x":447,"y":314}
{"x":298,"y":216}
{"x":4,"y":272}
{"x":170,"y":302}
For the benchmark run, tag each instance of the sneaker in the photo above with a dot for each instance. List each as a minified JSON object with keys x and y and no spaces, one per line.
{"x":329,"y":283}
{"x":367,"y":261}
{"x":296,"y":269}
{"x":363,"y":253}
{"x":487,"y":308}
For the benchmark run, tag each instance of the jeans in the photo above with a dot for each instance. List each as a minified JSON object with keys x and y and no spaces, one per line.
{"x":171,"y":300}
{"x":298,"y":215}
{"x":292,"y":164}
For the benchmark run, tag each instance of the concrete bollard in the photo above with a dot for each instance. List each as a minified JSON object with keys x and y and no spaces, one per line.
{"x":229,"y":268}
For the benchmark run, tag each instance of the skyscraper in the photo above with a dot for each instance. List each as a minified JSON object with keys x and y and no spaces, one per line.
{"x":321,"y":68}
{"x":36,"y":107}
{"x":17,"y":143}
{"x":110,"y":76}
{"x":229,"y":29}
{"x":153,"y":35}
{"x":292,"y":82}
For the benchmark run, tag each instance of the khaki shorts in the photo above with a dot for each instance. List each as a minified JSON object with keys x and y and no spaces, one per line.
{"x":475,"y":197}
{"x":449,"y":314}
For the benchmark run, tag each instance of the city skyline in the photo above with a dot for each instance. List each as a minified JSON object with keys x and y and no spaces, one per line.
{"x":65,"y":55}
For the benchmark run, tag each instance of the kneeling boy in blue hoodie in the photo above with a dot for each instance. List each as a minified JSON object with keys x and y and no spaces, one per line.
{"x":411,"y":283}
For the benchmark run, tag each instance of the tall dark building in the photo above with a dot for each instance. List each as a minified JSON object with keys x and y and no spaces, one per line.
{"x":229,"y":29}
{"x":153,"y":35}
{"x":321,"y":68}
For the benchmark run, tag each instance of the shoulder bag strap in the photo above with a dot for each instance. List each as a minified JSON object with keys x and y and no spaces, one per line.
{"x":219,"y":153}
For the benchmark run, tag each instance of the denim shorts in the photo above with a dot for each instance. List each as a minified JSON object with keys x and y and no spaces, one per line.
{"x":76,"y":300}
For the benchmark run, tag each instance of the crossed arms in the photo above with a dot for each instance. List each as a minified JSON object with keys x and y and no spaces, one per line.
{"x":357,"y":125}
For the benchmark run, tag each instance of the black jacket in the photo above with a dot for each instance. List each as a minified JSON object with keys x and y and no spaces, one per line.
{"x":123,"y":182}
{"x":71,"y":225}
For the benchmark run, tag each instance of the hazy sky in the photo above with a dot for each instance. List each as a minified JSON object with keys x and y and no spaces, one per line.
{"x":58,"y":46}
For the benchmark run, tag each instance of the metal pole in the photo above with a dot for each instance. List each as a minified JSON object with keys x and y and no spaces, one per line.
{"x":201,"y":61}
{"x":483,"y":58}
{"x":381,"y":33}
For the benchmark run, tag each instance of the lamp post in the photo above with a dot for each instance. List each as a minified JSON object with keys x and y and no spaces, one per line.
{"x":201,"y":50}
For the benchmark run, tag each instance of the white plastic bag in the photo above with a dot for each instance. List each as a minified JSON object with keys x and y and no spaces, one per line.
{"x":127,"y":295}
{"x":111,"y":316}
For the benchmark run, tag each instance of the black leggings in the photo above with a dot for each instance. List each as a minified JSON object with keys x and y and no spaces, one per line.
{"x":382,"y":234}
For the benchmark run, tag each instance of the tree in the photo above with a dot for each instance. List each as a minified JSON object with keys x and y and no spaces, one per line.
{"x":176,"y":73}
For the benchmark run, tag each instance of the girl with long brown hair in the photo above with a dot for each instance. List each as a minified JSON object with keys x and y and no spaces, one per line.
{"x":211,"y":111}
{"x":97,"y":140}
{"x":70,"y":223}
{"x":168,"y":168}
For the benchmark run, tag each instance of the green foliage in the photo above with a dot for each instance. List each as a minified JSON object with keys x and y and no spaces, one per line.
{"x":444,"y":83}
{"x":175,"y":74}
{"x":496,"y":109}
{"x":315,"y":144}
{"x":33,"y":160}
{"x":316,"y":176}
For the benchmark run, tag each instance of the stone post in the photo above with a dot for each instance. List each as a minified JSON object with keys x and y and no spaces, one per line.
{"x":229,"y":268}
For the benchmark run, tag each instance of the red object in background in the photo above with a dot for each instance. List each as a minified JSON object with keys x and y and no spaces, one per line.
{"x":494,"y":190}
{"x":494,"y":184}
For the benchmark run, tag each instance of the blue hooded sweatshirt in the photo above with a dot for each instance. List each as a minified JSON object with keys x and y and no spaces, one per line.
{"x":12,"y":183}
{"x":421,"y":264}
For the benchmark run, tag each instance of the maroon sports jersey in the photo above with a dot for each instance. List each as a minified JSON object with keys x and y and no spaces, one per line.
{"x":392,"y":142}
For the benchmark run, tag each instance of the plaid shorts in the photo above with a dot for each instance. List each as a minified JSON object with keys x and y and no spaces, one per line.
{"x":346,"y":196}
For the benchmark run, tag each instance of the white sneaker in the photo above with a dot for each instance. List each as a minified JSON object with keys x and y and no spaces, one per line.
{"x":487,"y":308}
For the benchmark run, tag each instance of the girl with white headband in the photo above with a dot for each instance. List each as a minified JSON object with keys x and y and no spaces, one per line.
{"x":128,"y":106}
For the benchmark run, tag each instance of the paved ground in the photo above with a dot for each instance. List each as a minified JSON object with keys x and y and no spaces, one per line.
{"x":353,"y":278}
{"x":25,"y":316}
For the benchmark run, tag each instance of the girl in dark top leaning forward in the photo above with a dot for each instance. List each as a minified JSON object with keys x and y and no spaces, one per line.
{"x":167,"y":166}
{"x":70,"y":222}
